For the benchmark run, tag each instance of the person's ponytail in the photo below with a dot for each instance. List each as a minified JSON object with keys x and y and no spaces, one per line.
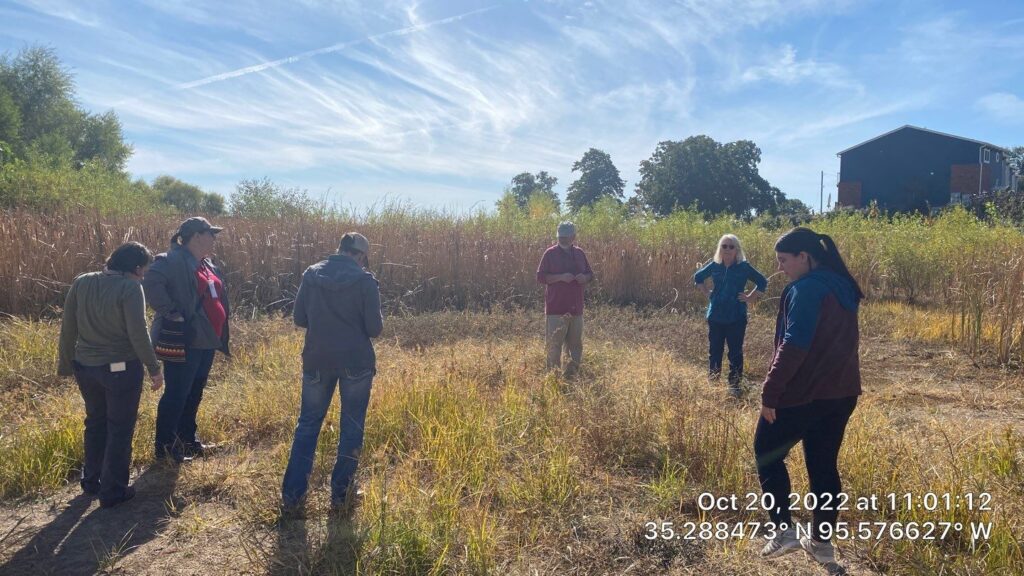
{"x":821,"y":248}
{"x":833,"y":260}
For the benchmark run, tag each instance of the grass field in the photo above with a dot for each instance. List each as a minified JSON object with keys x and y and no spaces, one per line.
{"x":476,"y":462}
{"x":970,"y":270}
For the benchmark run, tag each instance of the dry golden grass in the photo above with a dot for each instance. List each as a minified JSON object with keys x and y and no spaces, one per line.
{"x":972,"y":272}
{"x":477,"y":462}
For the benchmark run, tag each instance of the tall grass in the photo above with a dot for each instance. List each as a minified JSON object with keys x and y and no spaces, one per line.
{"x":426,"y":260}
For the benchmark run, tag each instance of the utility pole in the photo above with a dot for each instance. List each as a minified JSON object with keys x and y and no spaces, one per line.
{"x":821,"y":194}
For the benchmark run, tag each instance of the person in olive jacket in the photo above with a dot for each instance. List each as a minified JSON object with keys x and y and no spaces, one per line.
{"x":727,"y":306}
{"x":189,"y":298}
{"x":104,"y":345}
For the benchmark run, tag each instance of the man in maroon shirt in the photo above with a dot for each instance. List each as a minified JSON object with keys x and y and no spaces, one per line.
{"x":563,"y":271}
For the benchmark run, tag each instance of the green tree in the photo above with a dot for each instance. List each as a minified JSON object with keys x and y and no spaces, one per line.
{"x":262,"y":199}
{"x":187,"y":198}
{"x":786,"y":212}
{"x":213,"y":204}
{"x":43,"y":90}
{"x":10,"y":118}
{"x":100,"y":140}
{"x":715,"y":178}
{"x":599,"y":178}
{"x":1015,"y":159}
{"x":38,"y":114}
{"x":525,"y":185}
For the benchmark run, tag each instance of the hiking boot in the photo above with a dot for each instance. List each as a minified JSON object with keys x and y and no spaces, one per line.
{"x":90,"y":488}
{"x":289,"y":512}
{"x":822,"y":552}
{"x":783,"y":543}
{"x":196,"y":449}
{"x":344,"y":507}
{"x":129,"y":493}
{"x":171,"y":455}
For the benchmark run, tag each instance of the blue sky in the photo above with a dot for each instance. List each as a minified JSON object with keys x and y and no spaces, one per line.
{"x":441,"y":103}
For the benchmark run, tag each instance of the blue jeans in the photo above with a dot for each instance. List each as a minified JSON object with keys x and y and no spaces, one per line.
{"x":317,"y":391}
{"x":184,"y":383}
{"x":718,"y":335}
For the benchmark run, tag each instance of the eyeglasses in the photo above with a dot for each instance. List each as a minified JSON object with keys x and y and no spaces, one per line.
{"x":727,"y":246}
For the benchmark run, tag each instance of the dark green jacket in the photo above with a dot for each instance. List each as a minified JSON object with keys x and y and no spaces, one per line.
{"x":104,"y":322}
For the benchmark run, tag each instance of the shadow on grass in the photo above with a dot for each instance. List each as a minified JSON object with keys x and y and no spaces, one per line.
{"x":334,"y":550}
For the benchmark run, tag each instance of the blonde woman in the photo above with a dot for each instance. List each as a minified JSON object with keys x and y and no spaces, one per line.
{"x":729,"y":272}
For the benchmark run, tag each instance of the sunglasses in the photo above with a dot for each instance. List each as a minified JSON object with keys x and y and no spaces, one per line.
{"x":728,"y":246}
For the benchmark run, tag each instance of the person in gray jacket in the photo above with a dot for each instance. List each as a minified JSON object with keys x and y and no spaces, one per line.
{"x":338,"y":303}
{"x":187,"y":293}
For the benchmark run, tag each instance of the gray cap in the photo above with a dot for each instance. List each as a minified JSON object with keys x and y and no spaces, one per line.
{"x":194,"y":225}
{"x":566,"y":229}
{"x":355,"y":241}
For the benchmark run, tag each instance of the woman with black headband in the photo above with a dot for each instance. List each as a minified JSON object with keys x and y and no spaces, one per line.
{"x":811,"y":388}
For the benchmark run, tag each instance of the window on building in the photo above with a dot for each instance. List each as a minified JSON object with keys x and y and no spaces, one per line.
{"x":987,"y":155}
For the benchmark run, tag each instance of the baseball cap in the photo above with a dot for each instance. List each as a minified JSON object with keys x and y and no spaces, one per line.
{"x":195,"y":225}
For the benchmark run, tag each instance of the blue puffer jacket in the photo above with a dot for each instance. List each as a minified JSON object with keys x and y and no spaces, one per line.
{"x":724,"y":308}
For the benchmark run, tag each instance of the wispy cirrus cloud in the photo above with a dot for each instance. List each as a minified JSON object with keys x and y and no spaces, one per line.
{"x":326,"y":50}
{"x":446,"y":101}
{"x":1003,"y":106}
{"x":70,"y":11}
{"x":784,"y":67}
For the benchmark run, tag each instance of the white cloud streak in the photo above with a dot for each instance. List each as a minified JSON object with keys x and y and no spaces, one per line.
{"x":1003,"y":106}
{"x":70,"y":11}
{"x":521,"y":86}
{"x":784,"y":67}
{"x":326,"y":50}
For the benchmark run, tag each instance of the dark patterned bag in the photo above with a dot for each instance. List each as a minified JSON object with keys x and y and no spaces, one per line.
{"x":170,"y":341}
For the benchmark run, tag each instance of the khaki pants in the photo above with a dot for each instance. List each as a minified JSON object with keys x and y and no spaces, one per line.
{"x":564,"y":331}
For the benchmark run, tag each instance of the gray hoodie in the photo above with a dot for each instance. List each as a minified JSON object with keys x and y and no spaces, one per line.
{"x":339,"y":306}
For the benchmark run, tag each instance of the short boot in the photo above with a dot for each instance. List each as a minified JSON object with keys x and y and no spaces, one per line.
{"x":734,"y":383}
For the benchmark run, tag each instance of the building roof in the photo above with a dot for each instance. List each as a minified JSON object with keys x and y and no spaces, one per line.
{"x":986,"y":144}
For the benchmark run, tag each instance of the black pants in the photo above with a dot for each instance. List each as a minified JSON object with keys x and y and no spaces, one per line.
{"x":718,"y":335}
{"x":820,"y":425}
{"x":184,"y":383}
{"x":111,"y":410}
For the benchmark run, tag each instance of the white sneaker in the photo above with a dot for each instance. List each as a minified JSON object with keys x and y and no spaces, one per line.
{"x":783,"y":543}
{"x":822,"y":552}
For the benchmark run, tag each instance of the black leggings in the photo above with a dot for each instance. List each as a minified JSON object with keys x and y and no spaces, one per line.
{"x":820,"y":425}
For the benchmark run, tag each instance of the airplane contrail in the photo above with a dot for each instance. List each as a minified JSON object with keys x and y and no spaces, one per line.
{"x":326,"y":50}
